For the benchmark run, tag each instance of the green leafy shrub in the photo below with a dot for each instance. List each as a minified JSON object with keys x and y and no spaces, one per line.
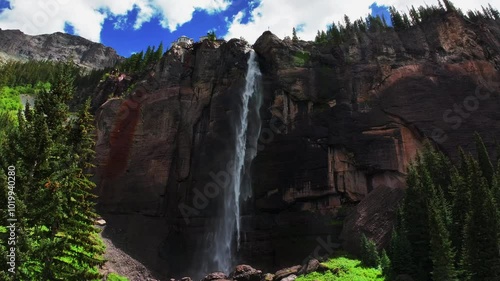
{"x":344,"y":269}
{"x":116,"y":277}
{"x":301,"y":58}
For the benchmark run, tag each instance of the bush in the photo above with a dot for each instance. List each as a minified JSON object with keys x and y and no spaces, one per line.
{"x":344,"y":269}
{"x":116,"y":277}
{"x":301,"y":58}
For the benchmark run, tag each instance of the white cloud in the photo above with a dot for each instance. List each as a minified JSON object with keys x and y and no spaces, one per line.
{"x":280,"y":16}
{"x":87,"y":16}
{"x":176,"y":12}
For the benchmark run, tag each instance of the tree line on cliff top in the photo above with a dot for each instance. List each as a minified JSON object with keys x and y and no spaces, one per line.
{"x":338,"y":33}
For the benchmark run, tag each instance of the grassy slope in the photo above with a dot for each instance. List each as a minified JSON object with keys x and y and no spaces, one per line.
{"x":344,"y":269}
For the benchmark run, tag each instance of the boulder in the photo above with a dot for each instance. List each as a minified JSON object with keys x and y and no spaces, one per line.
{"x":246,"y":273}
{"x":267,"y":277}
{"x":280,"y":274}
{"x":215,"y":276}
{"x":374,"y":217}
{"x":311,"y":266}
{"x":290,"y":278}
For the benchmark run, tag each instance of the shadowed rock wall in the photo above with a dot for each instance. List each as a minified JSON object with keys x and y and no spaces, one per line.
{"x":339,"y":123}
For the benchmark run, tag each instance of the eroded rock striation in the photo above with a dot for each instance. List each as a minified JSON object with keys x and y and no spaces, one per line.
{"x":339,"y":122}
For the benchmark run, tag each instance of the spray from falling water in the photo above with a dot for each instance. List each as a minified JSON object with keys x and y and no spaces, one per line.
{"x":253,"y":73}
{"x":239,"y":189}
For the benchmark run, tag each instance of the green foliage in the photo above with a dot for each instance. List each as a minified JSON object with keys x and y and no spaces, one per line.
{"x":301,"y":58}
{"x":339,"y":33}
{"x":385,"y":264}
{"x":400,"y":252}
{"x":10,"y":100}
{"x":17,"y":73}
{"x":143,"y":61}
{"x":449,"y":224}
{"x":397,"y":19}
{"x":56,"y":236}
{"x":294,"y":35}
{"x":369,"y":253}
{"x":344,"y":269}
{"x":442,"y":252}
{"x":116,"y":277}
{"x":36,"y":76}
{"x":211,"y":36}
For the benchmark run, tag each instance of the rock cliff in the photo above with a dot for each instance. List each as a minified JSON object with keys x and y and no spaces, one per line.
{"x":15,"y":45}
{"x":340,"y":124}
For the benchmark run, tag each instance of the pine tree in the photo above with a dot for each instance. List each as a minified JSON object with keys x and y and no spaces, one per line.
{"x":211,"y":36}
{"x":400,"y":252}
{"x":397,"y":19}
{"x":415,"y":16}
{"x":481,"y":250}
{"x":369,"y":253}
{"x":441,"y":7}
{"x":417,"y":215}
{"x":159,"y":53}
{"x":484,"y":159}
{"x":460,"y":205}
{"x":442,"y":252}
{"x":385,"y":265}
{"x":294,"y":35}
{"x":406,"y":21}
{"x":449,"y":6}
{"x":494,"y":12}
{"x":347,"y":21}
{"x":57,"y":239}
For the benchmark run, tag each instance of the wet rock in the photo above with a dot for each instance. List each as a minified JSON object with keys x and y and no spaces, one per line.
{"x":311,"y":266}
{"x":215,"y":276}
{"x":100,"y":222}
{"x":280,"y":274}
{"x":290,"y":278}
{"x":267,"y":277}
{"x":246,"y":273}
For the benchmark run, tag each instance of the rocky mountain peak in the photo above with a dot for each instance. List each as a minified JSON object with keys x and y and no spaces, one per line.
{"x":15,"y":45}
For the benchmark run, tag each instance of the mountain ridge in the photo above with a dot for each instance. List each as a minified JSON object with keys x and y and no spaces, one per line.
{"x":58,"y":46}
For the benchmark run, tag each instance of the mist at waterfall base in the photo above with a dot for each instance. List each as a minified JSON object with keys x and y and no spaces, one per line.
{"x":224,"y":242}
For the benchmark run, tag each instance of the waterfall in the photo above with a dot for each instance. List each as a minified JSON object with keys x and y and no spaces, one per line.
{"x":240,"y":188}
{"x":253,"y":72}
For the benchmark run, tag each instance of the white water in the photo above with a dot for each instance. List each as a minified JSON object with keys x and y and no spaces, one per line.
{"x":241,"y":140}
{"x":240,"y":189}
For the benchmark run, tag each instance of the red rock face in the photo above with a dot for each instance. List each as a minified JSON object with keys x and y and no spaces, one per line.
{"x":338,"y":134}
{"x":121,"y":139}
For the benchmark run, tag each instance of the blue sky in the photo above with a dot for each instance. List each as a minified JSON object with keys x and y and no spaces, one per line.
{"x":128,"y":40}
{"x":132,"y":25}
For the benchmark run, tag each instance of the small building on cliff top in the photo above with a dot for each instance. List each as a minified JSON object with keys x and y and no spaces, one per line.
{"x":183,"y":41}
